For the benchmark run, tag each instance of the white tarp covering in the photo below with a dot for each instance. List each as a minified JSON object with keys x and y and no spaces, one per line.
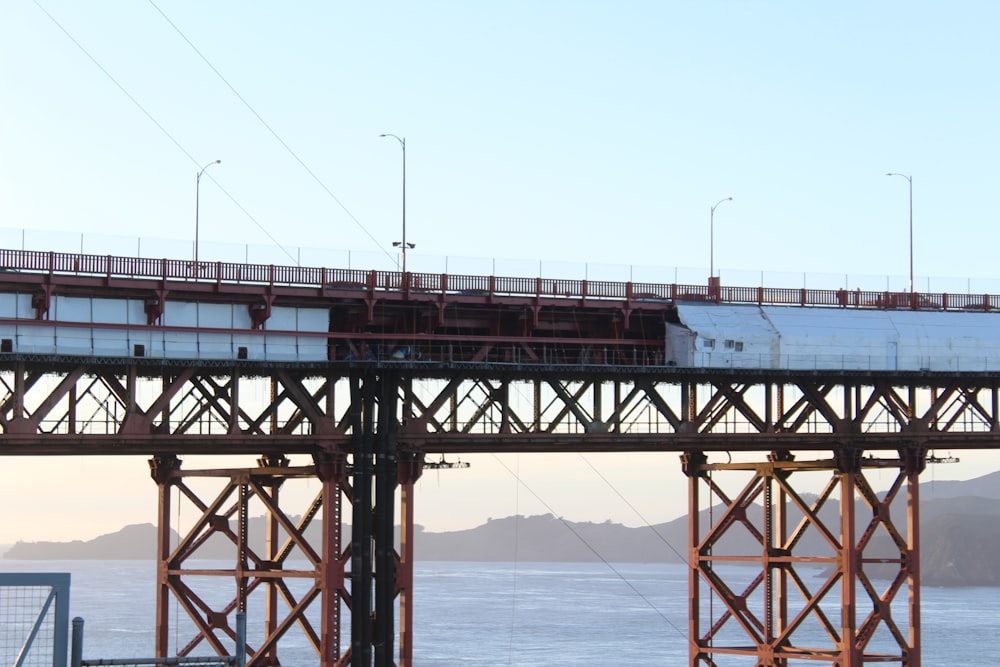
{"x":727,"y":336}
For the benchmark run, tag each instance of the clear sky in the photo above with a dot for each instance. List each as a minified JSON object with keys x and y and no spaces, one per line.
{"x":563,"y":136}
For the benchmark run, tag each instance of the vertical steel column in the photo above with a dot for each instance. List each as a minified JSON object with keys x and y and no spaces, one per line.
{"x":384,"y":520}
{"x":915,"y":461}
{"x":271,"y":544}
{"x":691,"y":463}
{"x":848,"y":463}
{"x":362,"y":411}
{"x":331,"y":470}
{"x":161,"y":469}
{"x":781,"y":592}
{"x":410,"y":467}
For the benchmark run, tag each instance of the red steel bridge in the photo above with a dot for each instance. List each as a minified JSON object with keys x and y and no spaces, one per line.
{"x":367,"y":373}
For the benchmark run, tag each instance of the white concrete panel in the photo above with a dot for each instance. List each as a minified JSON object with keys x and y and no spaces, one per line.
{"x":109,"y":311}
{"x":24,"y":309}
{"x":8,"y":305}
{"x":180,"y":345}
{"x":254,"y":344}
{"x":252,"y":341}
{"x":74,"y":340}
{"x":215,"y":345}
{"x":180,"y":314}
{"x":215,"y":315}
{"x":280,"y":348}
{"x":282,"y":318}
{"x":136,"y":312}
{"x":313,"y":319}
{"x":313,"y":348}
{"x":241,"y":318}
{"x":35,"y":339}
{"x":139,"y":333}
{"x":8,"y":310}
{"x":70,"y":309}
{"x":111,"y":343}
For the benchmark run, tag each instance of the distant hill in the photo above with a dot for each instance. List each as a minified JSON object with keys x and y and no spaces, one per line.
{"x":960,"y":537}
{"x":987,"y":486}
{"x":135,"y":542}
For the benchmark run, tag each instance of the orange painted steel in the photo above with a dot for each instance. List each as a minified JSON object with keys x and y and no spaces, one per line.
{"x":237,"y":278}
{"x":778,"y":614}
{"x":368,"y":424}
{"x":262,"y":563}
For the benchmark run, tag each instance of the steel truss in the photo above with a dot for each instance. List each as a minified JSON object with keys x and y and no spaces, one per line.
{"x":775,"y":611}
{"x":367,"y":426}
{"x":266,"y":571}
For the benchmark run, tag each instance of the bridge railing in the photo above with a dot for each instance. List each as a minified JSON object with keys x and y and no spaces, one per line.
{"x":478,"y":285}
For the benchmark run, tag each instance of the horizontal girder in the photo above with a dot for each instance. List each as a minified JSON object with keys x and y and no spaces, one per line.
{"x":124,"y":408}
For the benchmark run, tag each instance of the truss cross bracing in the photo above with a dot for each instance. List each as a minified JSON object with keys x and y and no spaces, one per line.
{"x":366,"y":428}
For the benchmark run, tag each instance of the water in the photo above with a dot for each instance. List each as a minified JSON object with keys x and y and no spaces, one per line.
{"x":526,"y":614}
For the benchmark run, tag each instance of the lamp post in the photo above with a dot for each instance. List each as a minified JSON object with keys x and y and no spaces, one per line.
{"x":402,"y":245}
{"x":197,"y":198}
{"x":711,"y":237}
{"x":909,"y":179}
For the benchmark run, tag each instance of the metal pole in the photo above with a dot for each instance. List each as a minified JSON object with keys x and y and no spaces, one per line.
{"x":909,"y":179}
{"x":76,"y":647}
{"x":241,"y":639}
{"x":711,"y":236}
{"x":403,"y":244}
{"x":197,"y":199}
{"x":402,"y":143}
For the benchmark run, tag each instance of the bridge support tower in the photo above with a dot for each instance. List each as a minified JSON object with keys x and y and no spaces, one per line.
{"x":268,"y":542}
{"x":788,"y":577}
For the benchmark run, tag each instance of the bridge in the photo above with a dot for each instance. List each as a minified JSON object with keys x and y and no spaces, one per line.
{"x":367,"y":373}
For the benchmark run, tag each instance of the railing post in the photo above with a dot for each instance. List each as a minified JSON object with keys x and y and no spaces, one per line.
{"x":76,"y":649}
{"x":241,"y":639}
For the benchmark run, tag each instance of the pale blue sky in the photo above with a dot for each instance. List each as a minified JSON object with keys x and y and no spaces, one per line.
{"x":580,"y":134}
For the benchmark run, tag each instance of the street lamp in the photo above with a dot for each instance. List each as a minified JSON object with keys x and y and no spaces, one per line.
{"x":197,"y":198}
{"x":909,"y":179}
{"x":711,"y":237}
{"x":402,"y":245}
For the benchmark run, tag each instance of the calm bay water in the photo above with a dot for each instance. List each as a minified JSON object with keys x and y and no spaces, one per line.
{"x":527,"y":614}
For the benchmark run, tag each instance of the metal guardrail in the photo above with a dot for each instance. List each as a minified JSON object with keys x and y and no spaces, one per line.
{"x":478,"y":285}
{"x":34,"y":614}
{"x":237,"y":660}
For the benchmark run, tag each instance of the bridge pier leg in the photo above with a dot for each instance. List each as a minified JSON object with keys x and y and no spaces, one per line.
{"x":266,"y":566}
{"x":162,"y":469}
{"x":378,"y":573}
{"x":332,"y":472}
{"x":410,"y":467}
{"x":861,"y":545}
